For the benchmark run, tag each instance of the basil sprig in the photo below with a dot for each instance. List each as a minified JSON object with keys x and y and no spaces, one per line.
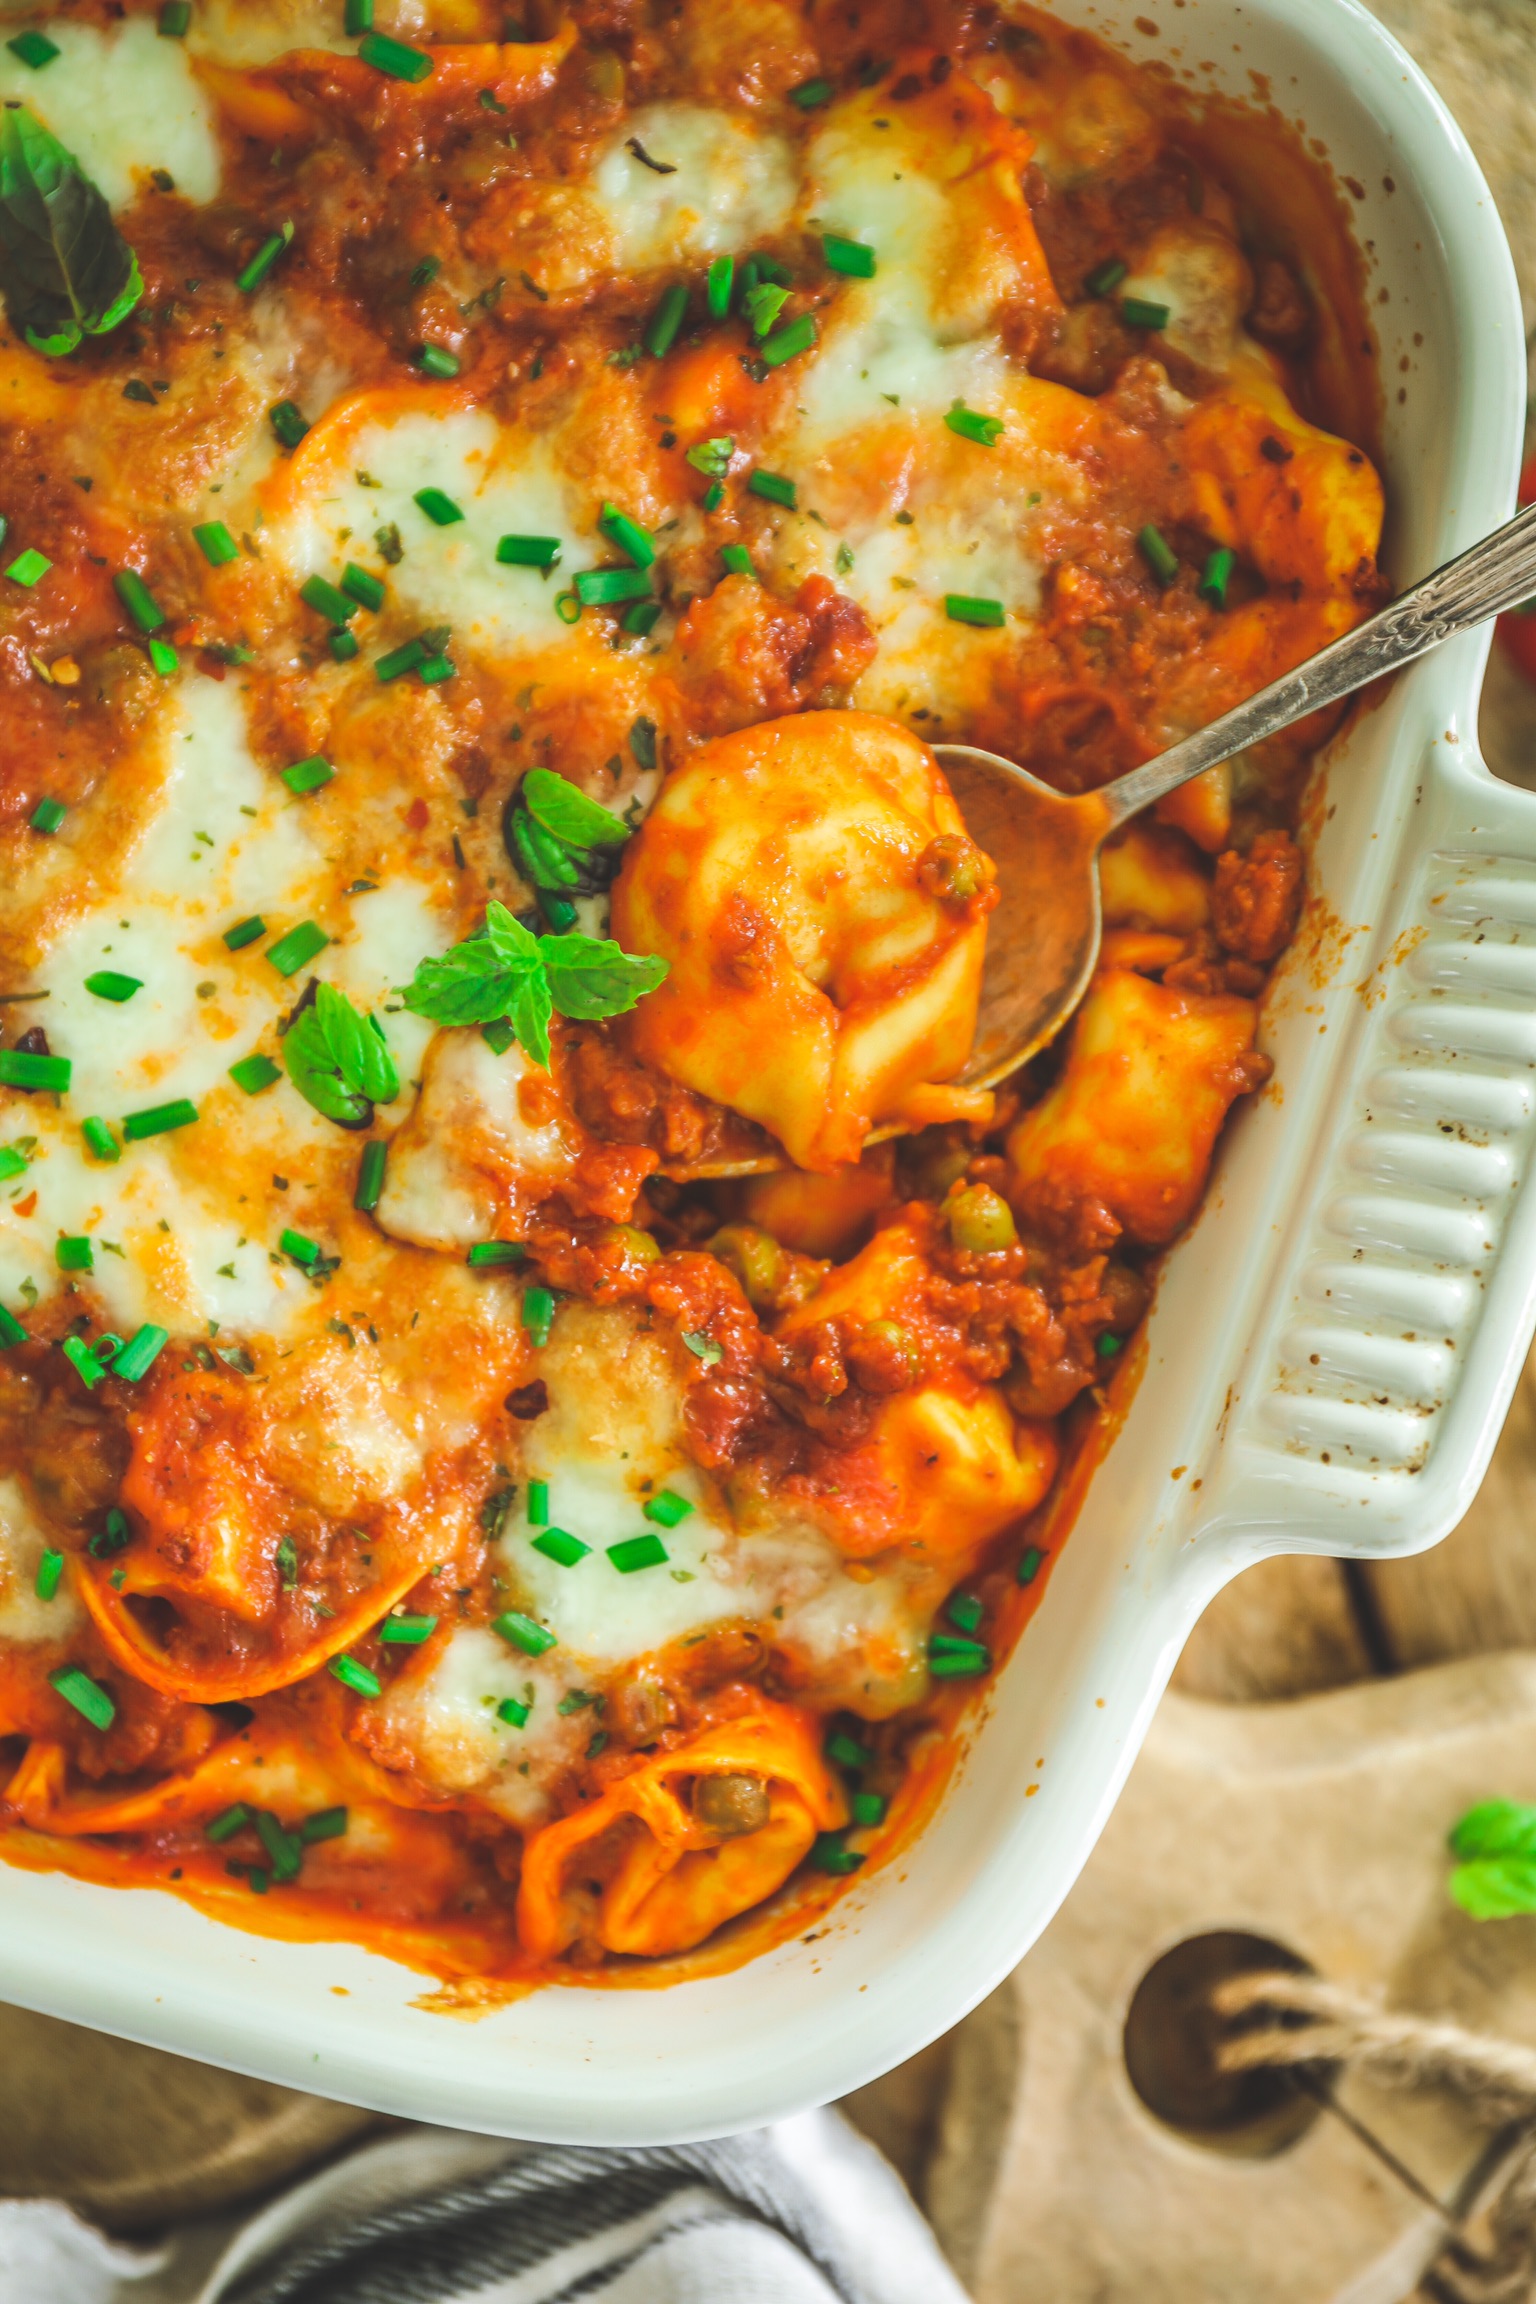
{"x":65,"y":269}
{"x":338,"y":1059}
{"x":559,"y":839}
{"x":505,"y":974}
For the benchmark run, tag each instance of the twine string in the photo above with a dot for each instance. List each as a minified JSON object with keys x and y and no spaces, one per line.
{"x":1305,"y":2020}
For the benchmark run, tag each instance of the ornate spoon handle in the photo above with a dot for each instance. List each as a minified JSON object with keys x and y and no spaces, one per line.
{"x":1494,"y":575}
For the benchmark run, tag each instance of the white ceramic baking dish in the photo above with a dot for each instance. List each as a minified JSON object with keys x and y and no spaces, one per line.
{"x":1330,"y":1358}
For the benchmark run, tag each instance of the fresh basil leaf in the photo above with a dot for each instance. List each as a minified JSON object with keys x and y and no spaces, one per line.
{"x":339,"y":1060}
{"x":559,"y":808}
{"x":498,"y":974}
{"x":1496,"y":1828}
{"x":311,"y":1065}
{"x":1495,"y":1887}
{"x":65,"y":269}
{"x":589,"y":977}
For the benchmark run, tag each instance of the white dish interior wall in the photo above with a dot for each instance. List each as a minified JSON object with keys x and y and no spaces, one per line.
{"x":1329,"y":1360}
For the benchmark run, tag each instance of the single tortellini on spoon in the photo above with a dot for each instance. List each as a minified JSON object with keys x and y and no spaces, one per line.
{"x":811,"y":883}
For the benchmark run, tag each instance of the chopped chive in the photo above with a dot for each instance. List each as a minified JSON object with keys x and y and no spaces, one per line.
{"x":393,"y":58}
{"x":321,"y":595}
{"x":107,"y":984}
{"x":568,"y":607}
{"x":288,"y":421}
{"x":174,"y":18}
{"x":303,"y":1251}
{"x":140,"y":1353}
{"x":799,"y":336}
{"x":343,"y":646}
{"x":253,"y":1073}
{"x":538,"y":1503}
{"x":538,"y":1315}
{"x":163,"y":657}
{"x":437,"y":360}
{"x":634,"y":1552}
{"x":965,"y":1610}
{"x":227,"y":1823}
{"x":245,"y":932}
{"x":810,"y":93}
{"x":1140,"y":312}
{"x":50,"y":1570}
{"x":73,"y":1253}
{"x":738,"y":560}
{"x":11,"y":1329}
{"x":956,"y":1659}
{"x":1031,"y":1564}
{"x":13,"y":1162}
{"x":215,"y":543}
{"x":88,"y":1697}
{"x":869,"y":1808}
{"x":601,"y":587}
{"x":290,"y":952}
{"x":850,"y":257}
{"x":627,"y":534}
{"x":83,"y":1361}
{"x":491,"y":1252}
{"x":522,"y":1632}
{"x":830,"y":1853}
{"x":1216,"y":576}
{"x":717,"y":286}
{"x":28,"y":568}
{"x":358,"y":16}
{"x":1105,"y":276}
{"x":424,"y":273}
{"x":986,"y":431}
{"x":774,"y":486}
{"x":363,"y":587}
{"x":667,"y":1508}
{"x":139,"y":601}
{"x":528,"y":551}
{"x":564,"y":1549}
{"x":255,"y":1879}
{"x":326,"y":1823}
{"x":19,"y":1068}
{"x":251,"y":277}
{"x":34,"y":49}
{"x":642,"y":617}
{"x":441,"y":510}
{"x":435,"y":670}
{"x":48,"y":815}
{"x":846,"y":1752}
{"x":370,"y":1176}
{"x":285,"y":1848}
{"x":402,"y":659}
{"x":100,"y":1140}
{"x":713,"y":496}
{"x":308,"y":775}
{"x":514,"y":1713}
{"x":962,"y":608}
{"x":711,"y":457}
{"x":116,"y":1536}
{"x":406,"y":1631}
{"x":661,"y":329}
{"x":356,"y":1676}
{"x":1158,"y":553}
{"x":763,"y":304}
{"x":159,"y":1119}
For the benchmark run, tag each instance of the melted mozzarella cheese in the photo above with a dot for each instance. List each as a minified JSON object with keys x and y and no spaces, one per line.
{"x":444,"y":1714}
{"x":465,"y":1135}
{"x":22,"y":1544}
{"x":730,"y":183}
{"x":123,"y":101}
{"x":503,"y":481}
{"x":173,"y":1244}
{"x":233,"y":32}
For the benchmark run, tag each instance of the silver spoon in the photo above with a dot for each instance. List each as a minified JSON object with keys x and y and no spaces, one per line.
{"x":1043,"y":939}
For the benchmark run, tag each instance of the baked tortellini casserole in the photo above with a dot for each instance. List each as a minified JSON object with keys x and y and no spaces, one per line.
{"x":533,"y":1396}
